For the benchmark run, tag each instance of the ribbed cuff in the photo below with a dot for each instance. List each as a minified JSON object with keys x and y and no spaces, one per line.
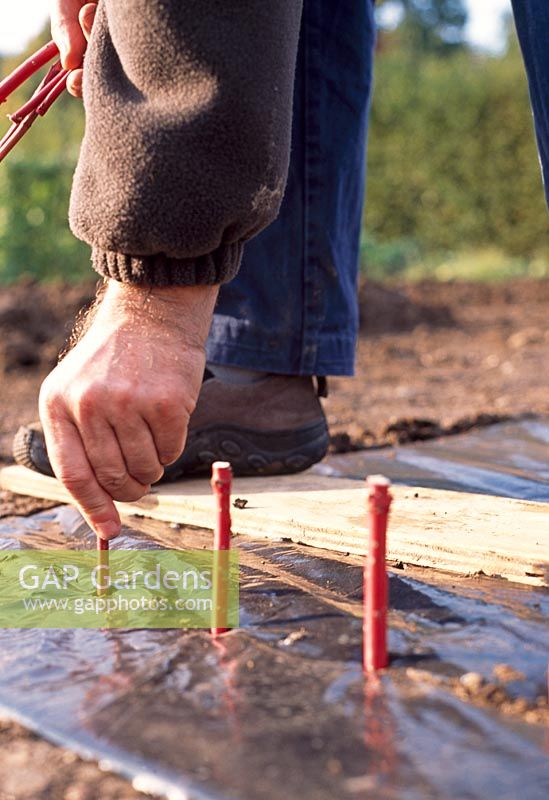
{"x":220,"y":266}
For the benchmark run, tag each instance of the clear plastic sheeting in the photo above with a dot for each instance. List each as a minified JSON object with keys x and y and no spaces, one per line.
{"x":510,"y":459}
{"x":279,"y":708}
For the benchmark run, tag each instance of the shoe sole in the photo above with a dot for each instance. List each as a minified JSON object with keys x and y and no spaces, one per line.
{"x":251,"y":452}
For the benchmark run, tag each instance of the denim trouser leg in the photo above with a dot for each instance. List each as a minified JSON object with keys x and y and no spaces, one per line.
{"x":292,"y":309}
{"x":532,"y":21}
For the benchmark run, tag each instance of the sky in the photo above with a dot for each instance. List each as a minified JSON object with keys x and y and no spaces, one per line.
{"x":485,"y":27}
{"x":24,"y":18}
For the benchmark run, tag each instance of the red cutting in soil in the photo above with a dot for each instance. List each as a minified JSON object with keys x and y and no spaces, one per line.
{"x":103,"y":564}
{"x":222,"y":476}
{"x":375,"y":576}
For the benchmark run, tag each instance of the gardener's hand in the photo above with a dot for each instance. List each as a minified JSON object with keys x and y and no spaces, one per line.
{"x":71,"y":25}
{"x":115,"y":410}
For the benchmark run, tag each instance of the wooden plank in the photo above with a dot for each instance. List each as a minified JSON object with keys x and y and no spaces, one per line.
{"x":453,"y":531}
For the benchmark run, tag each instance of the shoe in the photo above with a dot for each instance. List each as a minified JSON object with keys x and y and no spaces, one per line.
{"x":275,"y":426}
{"x":29,"y":449}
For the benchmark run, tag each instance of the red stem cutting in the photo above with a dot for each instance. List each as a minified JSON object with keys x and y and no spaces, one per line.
{"x":57,"y":89}
{"x":27,"y":69}
{"x":50,"y":88}
{"x":15,"y":134}
{"x":375,"y":576}
{"x":18,"y":130}
{"x":40,"y":95}
{"x":222,"y":476}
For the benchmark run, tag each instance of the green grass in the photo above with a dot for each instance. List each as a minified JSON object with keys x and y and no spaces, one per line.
{"x":403,"y":260}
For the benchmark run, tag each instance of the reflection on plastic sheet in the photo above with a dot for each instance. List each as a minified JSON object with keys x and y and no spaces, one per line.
{"x":264,"y":714}
{"x":510,"y":459}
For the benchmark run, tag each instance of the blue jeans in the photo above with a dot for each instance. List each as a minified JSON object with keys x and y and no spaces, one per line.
{"x":532,"y":21}
{"x":292,"y":309}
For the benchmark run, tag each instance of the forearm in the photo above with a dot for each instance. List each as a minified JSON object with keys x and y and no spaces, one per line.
{"x":188,"y":131}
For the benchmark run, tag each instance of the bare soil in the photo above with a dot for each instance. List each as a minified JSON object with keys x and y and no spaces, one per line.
{"x":440,"y":358}
{"x":33,"y":768}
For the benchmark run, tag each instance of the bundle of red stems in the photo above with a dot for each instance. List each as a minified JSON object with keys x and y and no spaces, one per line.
{"x":50,"y":88}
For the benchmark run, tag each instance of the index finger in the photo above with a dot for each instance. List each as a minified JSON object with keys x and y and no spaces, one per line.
{"x":71,"y":466}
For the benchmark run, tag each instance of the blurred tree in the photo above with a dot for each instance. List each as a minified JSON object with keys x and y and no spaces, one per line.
{"x":452,"y":160}
{"x":452,"y":157}
{"x":427,"y":25}
{"x":35,"y":182}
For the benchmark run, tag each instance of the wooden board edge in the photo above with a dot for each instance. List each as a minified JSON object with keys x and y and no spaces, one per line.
{"x":21,"y":480}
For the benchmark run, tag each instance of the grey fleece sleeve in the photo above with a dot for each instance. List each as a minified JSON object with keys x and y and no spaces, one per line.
{"x":188,"y":120}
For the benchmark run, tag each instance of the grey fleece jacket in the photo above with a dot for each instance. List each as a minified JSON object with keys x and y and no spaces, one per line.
{"x":188,"y":120}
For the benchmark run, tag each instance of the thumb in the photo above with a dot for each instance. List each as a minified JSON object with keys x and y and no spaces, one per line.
{"x":87,"y":18}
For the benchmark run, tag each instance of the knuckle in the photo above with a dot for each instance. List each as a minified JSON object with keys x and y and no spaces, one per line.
{"x":77,"y":484}
{"x":123,"y":397}
{"x":186,"y":409}
{"x":141,"y":458}
{"x":87,"y":401}
{"x":50,"y":402}
{"x":130,"y":493}
{"x":112,"y":481}
{"x":139,"y":476}
{"x":165,"y":407}
{"x":60,"y":30}
{"x":170,"y":454}
{"x":62,"y":23}
{"x":146,"y":475}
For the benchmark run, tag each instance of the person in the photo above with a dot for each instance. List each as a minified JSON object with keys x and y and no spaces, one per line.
{"x":220,"y":186}
{"x":191,"y":111}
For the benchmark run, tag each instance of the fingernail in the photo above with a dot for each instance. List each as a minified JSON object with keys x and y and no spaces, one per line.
{"x":108,"y":530}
